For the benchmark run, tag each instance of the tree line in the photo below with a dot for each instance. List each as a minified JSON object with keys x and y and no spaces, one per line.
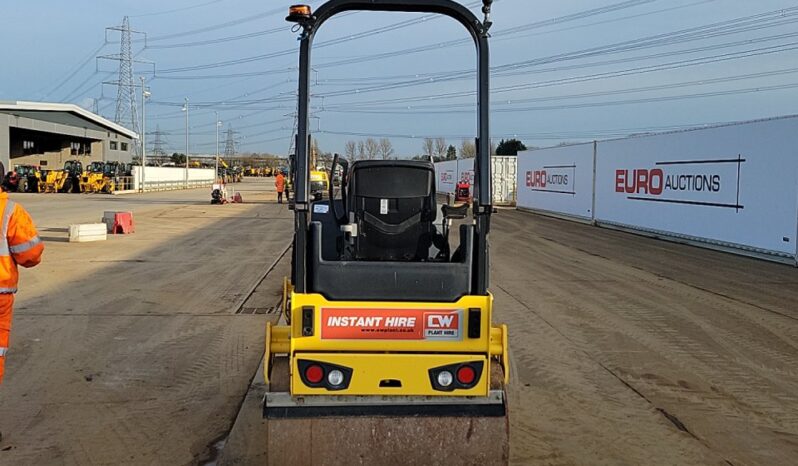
{"x":435,"y":149}
{"x":369,"y":149}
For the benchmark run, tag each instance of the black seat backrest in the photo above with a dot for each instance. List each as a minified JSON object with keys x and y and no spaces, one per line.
{"x":393,"y":204}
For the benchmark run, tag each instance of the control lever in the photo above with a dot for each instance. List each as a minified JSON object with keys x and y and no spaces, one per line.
{"x":450,"y":212}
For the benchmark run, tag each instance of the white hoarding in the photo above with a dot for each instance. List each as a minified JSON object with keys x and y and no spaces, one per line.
{"x":446,"y":176}
{"x":734,"y":185}
{"x":164,"y":175}
{"x":465,"y":171}
{"x":557,"y":180}
{"x":448,"y":173}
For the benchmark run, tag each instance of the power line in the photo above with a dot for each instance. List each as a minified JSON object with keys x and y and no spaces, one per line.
{"x":586,"y":134}
{"x":219,"y":40}
{"x":76,"y":70}
{"x":176,"y":10}
{"x":584,"y":78}
{"x":703,"y":82}
{"x":610,"y":103}
{"x":514,"y":71}
{"x":235,"y":22}
{"x":684,"y":35}
{"x":557,"y":20}
{"x":336,"y":41}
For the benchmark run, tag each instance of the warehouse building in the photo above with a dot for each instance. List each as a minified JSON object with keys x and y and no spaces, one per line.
{"x":49,"y":134}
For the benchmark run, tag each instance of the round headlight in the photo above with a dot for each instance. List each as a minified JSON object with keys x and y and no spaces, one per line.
{"x":335,"y":377}
{"x":445,"y":378}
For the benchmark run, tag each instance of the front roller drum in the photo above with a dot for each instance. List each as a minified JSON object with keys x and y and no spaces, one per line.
{"x":386,"y":439}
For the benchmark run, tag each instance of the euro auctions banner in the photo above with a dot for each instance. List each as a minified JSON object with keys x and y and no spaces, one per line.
{"x":446,"y":176}
{"x":735,"y":185}
{"x":465,"y":171}
{"x":450,"y":172}
{"x":557,"y":180}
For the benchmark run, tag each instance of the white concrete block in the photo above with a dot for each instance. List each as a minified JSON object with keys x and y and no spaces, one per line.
{"x":84,"y":232}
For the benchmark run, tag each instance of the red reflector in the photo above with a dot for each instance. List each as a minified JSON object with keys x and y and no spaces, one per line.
{"x":314,"y":373}
{"x":466,"y":375}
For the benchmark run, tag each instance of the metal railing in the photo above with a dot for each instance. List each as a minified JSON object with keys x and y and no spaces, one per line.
{"x":150,"y":186}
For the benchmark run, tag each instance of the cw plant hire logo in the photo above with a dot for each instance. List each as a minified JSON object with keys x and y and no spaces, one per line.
{"x":391,"y":324}
{"x":710,"y":183}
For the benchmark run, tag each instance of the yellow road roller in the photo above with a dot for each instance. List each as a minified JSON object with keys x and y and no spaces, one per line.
{"x":387,"y":351}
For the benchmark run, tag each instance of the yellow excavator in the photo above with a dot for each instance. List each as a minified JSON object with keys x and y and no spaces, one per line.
{"x":387,"y":352}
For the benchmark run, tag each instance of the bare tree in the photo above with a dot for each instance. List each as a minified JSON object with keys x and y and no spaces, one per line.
{"x":440,"y":148}
{"x":361,"y":150}
{"x":428,"y":147}
{"x":372,"y":148}
{"x":314,"y":153}
{"x":468,"y":150}
{"x":350,"y":150}
{"x":386,"y":148}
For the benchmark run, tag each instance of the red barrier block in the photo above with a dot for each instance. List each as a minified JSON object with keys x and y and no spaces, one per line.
{"x":123,"y":223}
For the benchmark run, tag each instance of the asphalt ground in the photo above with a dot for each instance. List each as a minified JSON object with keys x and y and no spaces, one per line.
{"x":139,"y":349}
{"x":631,"y":350}
{"x":624,"y":349}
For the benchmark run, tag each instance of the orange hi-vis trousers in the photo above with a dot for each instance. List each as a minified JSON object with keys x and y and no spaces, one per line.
{"x":6,"y":311}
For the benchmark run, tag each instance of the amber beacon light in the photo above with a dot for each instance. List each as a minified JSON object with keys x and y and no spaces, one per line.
{"x":297,"y":13}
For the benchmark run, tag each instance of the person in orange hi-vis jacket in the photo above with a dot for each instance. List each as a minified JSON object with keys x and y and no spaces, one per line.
{"x":20,"y":245}
{"x":279,"y":183}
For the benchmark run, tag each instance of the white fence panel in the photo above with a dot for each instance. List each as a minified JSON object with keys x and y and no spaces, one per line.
{"x":465,"y":170}
{"x":503,"y":171}
{"x":451,"y":171}
{"x":735,"y":186}
{"x":557,"y":180}
{"x":446,"y":174}
{"x":163,"y":178}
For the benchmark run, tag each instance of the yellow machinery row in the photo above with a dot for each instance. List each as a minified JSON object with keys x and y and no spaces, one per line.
{"x":98,"y":177}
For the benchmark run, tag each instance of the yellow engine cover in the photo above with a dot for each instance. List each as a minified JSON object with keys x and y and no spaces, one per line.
{"x":388,"y":348}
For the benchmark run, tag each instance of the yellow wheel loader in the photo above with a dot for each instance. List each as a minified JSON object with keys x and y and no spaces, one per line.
{"x":387,"y":352}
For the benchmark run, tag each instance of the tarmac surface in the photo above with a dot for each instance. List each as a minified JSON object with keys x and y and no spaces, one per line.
{"x":630,"y":350}
{"x":144,"y":349}
{"x":139,"y":349}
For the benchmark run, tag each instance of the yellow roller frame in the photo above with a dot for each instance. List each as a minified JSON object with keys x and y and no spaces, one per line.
{"x":278,"y":341}
{"x":371,"y":359}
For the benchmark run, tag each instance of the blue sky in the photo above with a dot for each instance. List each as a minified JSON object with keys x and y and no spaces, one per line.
{"x":564,"y":71}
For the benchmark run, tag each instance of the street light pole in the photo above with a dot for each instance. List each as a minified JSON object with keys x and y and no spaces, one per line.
{"x":185,"y":109}
{"x":145,"y":94}
{"x":216,"y":173}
